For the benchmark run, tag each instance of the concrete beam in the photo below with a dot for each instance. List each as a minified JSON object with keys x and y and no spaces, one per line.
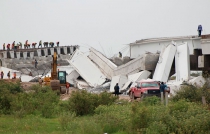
{"x":5,"y":54}
{"x":18,"y":55}
{"x":31,"y":55}
{"x":24,"y":55}
{"x":58,"y":50}
{"x":71,"y":49}
{"x":65,"y":50}
{"x":39,"y":53}
{"x":51,"y":51}
{"x":12,"y":54}
{"x":45,"y":52}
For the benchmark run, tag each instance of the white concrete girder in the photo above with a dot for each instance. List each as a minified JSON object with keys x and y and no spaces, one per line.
{"x":39,"y":54}
{"x":58,"y":50}
{"x":18,"y":55}
{"x":12,"y":54}
{"x":5,"y":54}
{"x":71,"y":49}
{"x":164,"y":64}
{"x":46,"y":52}
{"x":52,"y":51}
{"x":31,"y":55}
{"x":65,"y":50}
{"x":24,"y":55}
{"x":182,"y":62}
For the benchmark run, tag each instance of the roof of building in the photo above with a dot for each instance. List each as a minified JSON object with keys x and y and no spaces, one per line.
{"x":162,"y":39}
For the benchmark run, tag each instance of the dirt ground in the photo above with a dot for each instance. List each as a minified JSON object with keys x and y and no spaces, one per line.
{"x":26,"y":86}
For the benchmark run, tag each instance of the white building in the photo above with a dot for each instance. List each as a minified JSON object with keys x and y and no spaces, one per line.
{"x":154,"y":45}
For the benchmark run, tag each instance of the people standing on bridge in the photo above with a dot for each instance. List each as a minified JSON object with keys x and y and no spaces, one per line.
{"x":116,"y":89}
{"x":199,"y":30}
{"x":8,"y":46}
{"x":57,"y":44}
{"x":13,"y":45}
{"x":8,"y":75}
{"x":40,"y":43}
{"x":34,"y":45}
{"x":45,"y":44}
{"x":2,"y":74}
{"x":4,"y":46}
{"x":26,"y":44}
{"x":20,"y":45}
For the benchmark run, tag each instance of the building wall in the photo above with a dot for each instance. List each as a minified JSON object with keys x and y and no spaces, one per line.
{"x":154,"y":47}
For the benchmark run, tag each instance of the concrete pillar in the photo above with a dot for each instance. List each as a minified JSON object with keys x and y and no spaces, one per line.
{"x":5,"y":54}
{"x":65,"y":50}
{"x":58,"y":50}
{"x":162,"y":98}
{"x":52,"y":51}
{"x":24,"y":55}
{"x":12,"y":54}
{"x":31,"y":55}
{"x":46,"y":52}
{"x":18,"y":55}
{"x":71,"y":49}
{"x":39,"y":53}
{"x":166,"y":98}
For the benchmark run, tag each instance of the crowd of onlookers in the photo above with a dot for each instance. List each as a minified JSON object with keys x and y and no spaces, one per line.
{"x":15,"y":46}
{"x":8,"y":75}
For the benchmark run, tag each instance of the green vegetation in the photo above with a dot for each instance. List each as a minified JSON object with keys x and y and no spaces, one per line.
{"x":41,"y":111}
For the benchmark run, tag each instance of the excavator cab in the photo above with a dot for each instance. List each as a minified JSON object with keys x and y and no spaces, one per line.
{"x":62,"y":77}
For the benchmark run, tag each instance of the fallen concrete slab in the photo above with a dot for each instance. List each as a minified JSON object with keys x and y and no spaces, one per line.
{"x":197,"y":81}
{"x":136,"y":77}
{"x":87,"y":69}
{"x":143,"y":62}
{"x":105,"y":65}
{"x":120,"y":79}
{"x":164,"y":64}
{"x":182,"y":62}
{"x":80,"y":84}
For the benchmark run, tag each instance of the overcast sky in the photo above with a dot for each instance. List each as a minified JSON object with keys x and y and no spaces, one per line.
{"x":106,"y":25}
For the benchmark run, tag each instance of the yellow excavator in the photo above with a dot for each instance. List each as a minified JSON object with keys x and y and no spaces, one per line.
{"x":57,"y":81}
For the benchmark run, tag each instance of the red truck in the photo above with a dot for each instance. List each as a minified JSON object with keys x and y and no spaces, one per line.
{"x":144,"y":88}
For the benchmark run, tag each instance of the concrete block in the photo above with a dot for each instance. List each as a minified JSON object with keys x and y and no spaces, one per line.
{"x":24,"y":55}
{"x":65,"y":50}
{"x":12,"y":54}
{"x":52,"y":51}
{"x":39,"y":52}
{"x":45,"y":52}
{"x":18,"y":55}
{"x":5,"y":54}
{"x":31,"y":55}
{"x":71,"y":49}
{"x":58,"y":50}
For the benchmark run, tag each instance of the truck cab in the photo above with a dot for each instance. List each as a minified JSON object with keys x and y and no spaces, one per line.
{"x":144,"y":88}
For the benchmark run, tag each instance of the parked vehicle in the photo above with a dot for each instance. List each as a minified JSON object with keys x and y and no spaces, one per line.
{"x":144,"y":88}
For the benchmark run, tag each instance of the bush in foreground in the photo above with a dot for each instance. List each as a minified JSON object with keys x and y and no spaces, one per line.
{"x":83,"y":103}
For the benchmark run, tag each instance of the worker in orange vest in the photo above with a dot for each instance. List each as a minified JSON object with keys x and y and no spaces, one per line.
{"x":14,"y":75}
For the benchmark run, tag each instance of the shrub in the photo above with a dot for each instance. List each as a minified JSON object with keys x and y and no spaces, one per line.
{"x":113,"y":118}
{"x":8,"y":91}
{"x":83,"y":103}
{"x":192,"y":93}
{"x":43,"y":101}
